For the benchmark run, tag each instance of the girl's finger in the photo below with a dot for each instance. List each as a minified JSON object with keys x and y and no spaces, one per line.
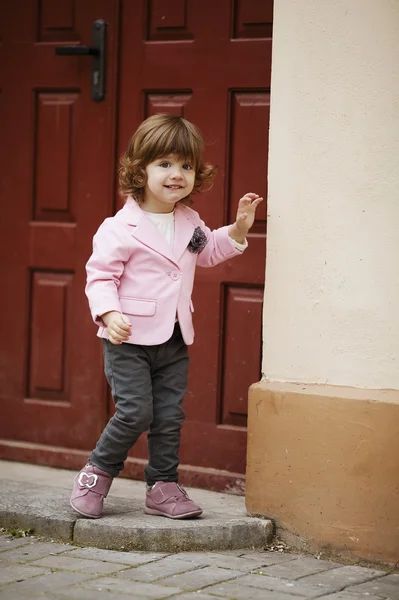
{"x":254,"y":204}
{"x":126,"y":320}
{"x":121,"y":328}
{"x":117,"y":333}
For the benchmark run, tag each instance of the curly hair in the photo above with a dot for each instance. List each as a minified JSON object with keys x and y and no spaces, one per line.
{"x":158,"y":136}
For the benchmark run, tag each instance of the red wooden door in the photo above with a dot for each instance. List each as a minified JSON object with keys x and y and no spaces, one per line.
{"x":57,"y":184}
{"x":211,"y":62}
{"x":207,"y":61}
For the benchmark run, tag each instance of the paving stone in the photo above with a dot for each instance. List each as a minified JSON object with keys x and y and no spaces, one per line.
{"x":200,"y":578}
{"x":33,"y":551}
{"x":5,"y":595}
{"x":197,"y":596}
{"x":11,"y":574}
{"x":66,"y":563}
{"x":384,"y":586}
{"x":270,"y":558}
{"x":217,"y":559}
{"x":231,"y":590}
{"x":297,"y":588}
{"x":83,"y":564}
{"x":126,"y":558}
{"x":345,"y":595}
{"x":48,"y":582}
{"x":157,"y":570}
{"x":134,"y":588}
{"x":226,"y":551}
{"x":337,"y":579}
{"x":79,"y":593}
{"x":7,"y":542}
{"x":300,"y":567}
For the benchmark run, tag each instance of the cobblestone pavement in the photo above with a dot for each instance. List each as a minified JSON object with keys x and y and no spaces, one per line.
{"x":31,"y":567}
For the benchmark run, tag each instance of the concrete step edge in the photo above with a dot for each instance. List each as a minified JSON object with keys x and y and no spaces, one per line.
{"x":47,"y":514}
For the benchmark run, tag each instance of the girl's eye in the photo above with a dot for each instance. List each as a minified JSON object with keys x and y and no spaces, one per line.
{"x":187,"y":167}
{"x":164,"y":164}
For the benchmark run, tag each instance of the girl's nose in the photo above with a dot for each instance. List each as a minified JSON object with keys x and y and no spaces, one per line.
{"x":177,"y":173}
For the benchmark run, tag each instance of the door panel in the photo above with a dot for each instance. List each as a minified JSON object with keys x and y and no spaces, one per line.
{"x":214,"y":71}
{"x":57,"y":157}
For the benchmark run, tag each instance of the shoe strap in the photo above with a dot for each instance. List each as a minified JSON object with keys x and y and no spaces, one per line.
{"x":168,"y":490}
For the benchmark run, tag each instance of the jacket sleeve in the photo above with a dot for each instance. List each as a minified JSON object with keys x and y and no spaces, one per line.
{"x":220,"y":246}
{"x":111,"y":250}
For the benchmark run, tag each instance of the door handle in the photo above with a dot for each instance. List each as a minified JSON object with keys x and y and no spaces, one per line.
{"x":75,"y":50}
{"x":98,"y":51}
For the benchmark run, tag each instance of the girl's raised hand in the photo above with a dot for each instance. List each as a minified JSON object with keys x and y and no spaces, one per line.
{"x":245,"y":216}
{"x":246,"y":210}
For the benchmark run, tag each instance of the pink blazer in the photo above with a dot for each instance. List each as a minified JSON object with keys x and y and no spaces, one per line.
{"x":134,"y":270}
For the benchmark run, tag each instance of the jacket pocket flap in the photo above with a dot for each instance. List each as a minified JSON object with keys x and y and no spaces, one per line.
{"x":138,"y":306}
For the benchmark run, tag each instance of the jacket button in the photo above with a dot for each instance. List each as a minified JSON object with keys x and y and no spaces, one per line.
{"x":175,"y":275}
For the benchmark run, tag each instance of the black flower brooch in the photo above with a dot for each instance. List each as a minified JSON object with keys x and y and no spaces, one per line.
{"x":198,"y":241}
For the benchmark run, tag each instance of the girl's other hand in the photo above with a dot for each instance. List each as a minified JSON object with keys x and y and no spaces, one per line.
{"x":118,"y":326}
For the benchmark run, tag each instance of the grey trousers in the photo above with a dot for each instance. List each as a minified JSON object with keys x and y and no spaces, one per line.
{"x":148,"y":384}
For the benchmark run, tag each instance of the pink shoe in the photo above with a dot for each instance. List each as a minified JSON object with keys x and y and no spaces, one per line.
{"x":89,"y":490}
{"x":168,"y":499}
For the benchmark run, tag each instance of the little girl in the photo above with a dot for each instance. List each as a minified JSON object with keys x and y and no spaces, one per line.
{"x":139,"y":283}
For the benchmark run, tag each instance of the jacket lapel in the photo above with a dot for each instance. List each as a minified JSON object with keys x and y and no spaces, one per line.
{"x":184,"y":230}
{"x":148,"y":234}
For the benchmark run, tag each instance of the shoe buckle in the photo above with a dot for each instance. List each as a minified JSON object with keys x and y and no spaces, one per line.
{"x":91,"y":479}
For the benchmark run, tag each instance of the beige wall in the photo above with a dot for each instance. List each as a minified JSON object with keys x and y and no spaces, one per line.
{"x":332,"y":298}
{"x":323,"y":439}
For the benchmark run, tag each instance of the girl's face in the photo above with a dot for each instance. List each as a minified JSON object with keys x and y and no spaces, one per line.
{"x":169,"y":179}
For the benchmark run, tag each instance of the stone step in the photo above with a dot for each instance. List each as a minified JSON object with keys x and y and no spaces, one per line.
{"x":37,"y":498}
